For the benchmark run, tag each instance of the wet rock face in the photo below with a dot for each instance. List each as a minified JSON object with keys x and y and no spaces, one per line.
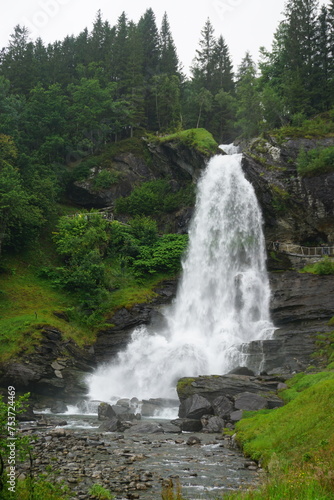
{"x":56,"y":368}
{"x":295,"y":209}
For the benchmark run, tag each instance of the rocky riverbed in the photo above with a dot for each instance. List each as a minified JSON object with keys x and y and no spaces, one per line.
{"x":138,"y":465}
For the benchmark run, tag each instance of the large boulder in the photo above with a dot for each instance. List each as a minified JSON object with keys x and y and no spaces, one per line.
{"x":249,"y":401}
{"x":222,"y":406}
{"x":195,"y":407}
{"x":212,"y":424}
{"x":105,"y":412}
{"x":188,"y":424}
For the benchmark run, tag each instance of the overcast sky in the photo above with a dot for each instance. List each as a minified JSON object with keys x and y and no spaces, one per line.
{"x":245,"y":24}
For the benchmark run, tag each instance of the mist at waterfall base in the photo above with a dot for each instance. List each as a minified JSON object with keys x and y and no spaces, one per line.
{"x":222,"y":300}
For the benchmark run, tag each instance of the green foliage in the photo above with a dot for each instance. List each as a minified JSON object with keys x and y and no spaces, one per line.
{"x":105,"y":179}
{"x":197,"y":138}
{"x":315,"y":161}
{"x":38,"y":488}
{"x":155,"y":197}
{"x":100,"y":493}
{"x":324,"y":267}
{"x":164,"y":255}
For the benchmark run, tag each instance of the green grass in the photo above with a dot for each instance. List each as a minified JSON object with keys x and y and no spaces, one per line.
{"x":324,"y":267}
{"x":26,"y":304}
{"x":198,"y":138}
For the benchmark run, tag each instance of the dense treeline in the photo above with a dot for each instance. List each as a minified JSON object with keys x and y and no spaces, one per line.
{"x":64,"y":101}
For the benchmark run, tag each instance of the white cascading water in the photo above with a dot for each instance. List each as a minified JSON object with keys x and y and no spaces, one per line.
{"x":222,"y":300}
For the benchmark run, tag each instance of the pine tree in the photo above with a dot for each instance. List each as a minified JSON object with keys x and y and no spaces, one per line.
{"x":223,"y":68}
{"x":204,"y":63}
{"x":322,"y":70}
{"x":120,"y":50}
{"x":18,"y":64}
{"x":150,"y":43}
{"x":169,"y":62}
{"x":248,"y":100}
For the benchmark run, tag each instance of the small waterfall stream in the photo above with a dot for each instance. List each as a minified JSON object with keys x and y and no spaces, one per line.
{"x":222,"y":300}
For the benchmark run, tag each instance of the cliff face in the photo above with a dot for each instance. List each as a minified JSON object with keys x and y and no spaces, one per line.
{"x":169,"y":160}
{"x":296,"y":209}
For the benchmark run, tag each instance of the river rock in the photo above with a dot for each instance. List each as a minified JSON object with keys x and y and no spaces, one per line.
{"x":195,"y":407}
{"x":235,"y":416}
{"x":145,"y":428}
{"x":222,"y":406}
{"x":212,"y":424}
{"x":111,"y":425}
{"x":192,"y":440}
{"x":170,"y":428}
{"x":105,"y":412}
{"x":188,"y":424}
{"x":249,"y":401}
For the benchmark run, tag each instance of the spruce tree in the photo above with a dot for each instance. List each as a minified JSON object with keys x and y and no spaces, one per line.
{"x":169,"y":62}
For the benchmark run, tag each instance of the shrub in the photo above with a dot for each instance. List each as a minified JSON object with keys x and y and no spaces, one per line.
{"x":316,"y":161}
{"x":164,"y":256}
{"x":155,"y":197}
{"x":323,"y":267}
{"x":105,"y":179}
{"x":97,"y":491}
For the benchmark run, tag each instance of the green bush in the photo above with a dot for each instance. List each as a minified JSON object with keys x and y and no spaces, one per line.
{"x":155,"y":197}
{"x":316,"y":161}
{"x":324,"y":267}
{"x":100,"y":493}
{"x":164,"y":256}
{"x":105,"y":179}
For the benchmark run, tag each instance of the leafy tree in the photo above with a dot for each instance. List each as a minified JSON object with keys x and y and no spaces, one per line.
{"x":17,"y":212}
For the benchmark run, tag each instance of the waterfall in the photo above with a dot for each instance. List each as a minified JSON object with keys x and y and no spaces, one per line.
{"x":222,"y":300}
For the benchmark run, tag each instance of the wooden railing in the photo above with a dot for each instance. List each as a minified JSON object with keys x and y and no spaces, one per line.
{"x":293,"y":249}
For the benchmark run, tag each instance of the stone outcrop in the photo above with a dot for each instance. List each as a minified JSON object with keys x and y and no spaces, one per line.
{"x":169,"y":160}
{"x":216,"y":401}
{"x":296,"y":209}
{"x":55,"y":368}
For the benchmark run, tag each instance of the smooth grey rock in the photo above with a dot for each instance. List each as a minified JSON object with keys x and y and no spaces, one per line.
{"x":249,"y":401}
{"x":236,"y":416}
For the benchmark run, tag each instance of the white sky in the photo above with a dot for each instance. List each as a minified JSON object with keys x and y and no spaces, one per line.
{"x":244,"y":24}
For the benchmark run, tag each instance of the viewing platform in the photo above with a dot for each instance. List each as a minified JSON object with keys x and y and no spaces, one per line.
{"x":300,"y":251}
